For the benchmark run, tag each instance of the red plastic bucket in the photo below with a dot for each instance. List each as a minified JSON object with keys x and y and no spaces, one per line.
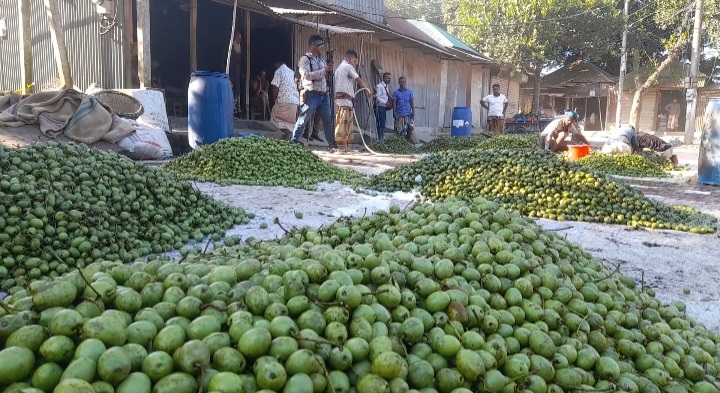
{"x":577,"y":152}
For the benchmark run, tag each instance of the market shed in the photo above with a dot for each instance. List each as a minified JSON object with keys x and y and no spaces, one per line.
{"x":580,"y":86}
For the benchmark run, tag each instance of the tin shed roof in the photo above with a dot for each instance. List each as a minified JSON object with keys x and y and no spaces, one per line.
{"x":577,"y":73}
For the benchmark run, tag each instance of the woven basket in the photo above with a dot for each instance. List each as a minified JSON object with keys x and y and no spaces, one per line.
{"x":121,"y":104}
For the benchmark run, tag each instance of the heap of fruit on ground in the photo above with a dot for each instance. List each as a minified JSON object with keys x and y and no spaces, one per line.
{"x":538,"y":184}
{"x":633,"y":165}
{"x":394,"y":145}
{"x":445,"y":298}
{"x":258,"y":161}
{"x":64,"y":205}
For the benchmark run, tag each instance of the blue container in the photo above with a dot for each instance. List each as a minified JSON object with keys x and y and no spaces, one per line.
{"x":210,"y":108}
{"x":709,"y":157}
{"x":461,"y":121}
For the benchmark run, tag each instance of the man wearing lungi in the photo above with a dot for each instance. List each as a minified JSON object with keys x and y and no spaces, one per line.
{"x":345,"y":78}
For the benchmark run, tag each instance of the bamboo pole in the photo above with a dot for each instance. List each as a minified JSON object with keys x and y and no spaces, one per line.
{"x":25,"y":41}
{"x":58,"y":42}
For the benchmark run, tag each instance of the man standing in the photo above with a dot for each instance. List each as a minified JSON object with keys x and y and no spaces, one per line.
{"x":383,"y":103}
{"x":237,"y":72}
{"x":404,"y":105}
{"x":287,"y":99}
{"x":496,"y":104}
{"x":553,"y":136}
{"x":673,"y":110}
{"x":313,"y":73}
{"x":345,"y":78}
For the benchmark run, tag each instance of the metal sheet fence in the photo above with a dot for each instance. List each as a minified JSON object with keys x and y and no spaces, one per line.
{"x":93,"y":57}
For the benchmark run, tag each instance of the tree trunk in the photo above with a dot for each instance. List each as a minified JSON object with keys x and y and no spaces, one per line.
{"x":537,"y":73}
{"x":640,"y":90}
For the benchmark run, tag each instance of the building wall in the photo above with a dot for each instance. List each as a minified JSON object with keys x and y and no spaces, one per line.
{"x":648,"y":110}
{"x":93,"y":57}
{"x":704,"y":98}
{"x":438,"y":86}
{"x":10,"y":56}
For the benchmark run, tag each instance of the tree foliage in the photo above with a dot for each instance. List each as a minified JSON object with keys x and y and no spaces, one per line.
{"x":430,"y":10}
{"x":538,"y":32}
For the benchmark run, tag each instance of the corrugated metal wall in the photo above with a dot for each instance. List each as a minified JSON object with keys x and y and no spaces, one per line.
{"x":648,"y":110}
{"x":10,"y":48}
{"x":705,"y":97}
{"x":436,"y":92}
{"x":93,"y":57}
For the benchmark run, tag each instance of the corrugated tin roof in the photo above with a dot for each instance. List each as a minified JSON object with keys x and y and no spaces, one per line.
{"x":330,"y":28}
{"x":402,"y":26}
{"x":287,"y":11}
{"x":446,"y":39}
{"x":395,"y":29}
{"x":577,"y":73}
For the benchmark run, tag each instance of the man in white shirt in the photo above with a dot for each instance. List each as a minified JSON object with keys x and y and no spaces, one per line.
{"x":345,"y":78}
{"x":287,"y":99}
{"x":496,"y":105}
{"x":383,"y":103}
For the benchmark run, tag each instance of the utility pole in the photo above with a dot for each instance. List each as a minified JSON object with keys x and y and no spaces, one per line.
{"x":691,"y":84}
{"x":623,"y":65}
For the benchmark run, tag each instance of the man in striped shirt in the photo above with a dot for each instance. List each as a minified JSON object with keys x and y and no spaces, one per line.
{"x":657,"y":146}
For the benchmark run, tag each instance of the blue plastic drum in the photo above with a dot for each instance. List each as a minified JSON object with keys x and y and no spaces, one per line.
{"x":210,"y":108}
{"x":461,"y":121}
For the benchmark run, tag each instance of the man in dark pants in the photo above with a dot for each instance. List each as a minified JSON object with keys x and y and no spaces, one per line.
{"x":383,"y":103}
{"x":313,"y":75}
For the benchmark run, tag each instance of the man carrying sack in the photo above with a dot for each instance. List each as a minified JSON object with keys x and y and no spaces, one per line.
{"x":345,"y":78}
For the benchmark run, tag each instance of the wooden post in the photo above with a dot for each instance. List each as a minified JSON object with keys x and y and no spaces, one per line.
{"x":25,"y":40}
{"x":128,"y":42}
{"x":143,"y":43}
{"x":247,"y":63}
{"x":58,"y":43}
{"x":193,"y":35}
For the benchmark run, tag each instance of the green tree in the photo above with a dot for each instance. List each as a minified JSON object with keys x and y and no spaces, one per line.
{"x":531,"y":35}
{"x":658,"y":37}
{"x":430,"y":10}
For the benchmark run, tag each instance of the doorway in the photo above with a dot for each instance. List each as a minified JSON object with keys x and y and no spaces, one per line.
{"x":671,"y":111}
{"x":271,"y":39}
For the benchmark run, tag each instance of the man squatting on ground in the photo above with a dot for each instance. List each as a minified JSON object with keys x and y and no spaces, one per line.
{"x":345,"y":78}
{"x":313,"y":74}
{"x":624,"y":140}
{"x":553,"y":136}
{"x":496,"y":104}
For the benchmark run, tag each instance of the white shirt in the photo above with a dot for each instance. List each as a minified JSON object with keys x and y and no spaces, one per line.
{"x":284,"y":80}
{"x":381,"y":93}
{"x":345,"y":76}
{"x":496,"y":104}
